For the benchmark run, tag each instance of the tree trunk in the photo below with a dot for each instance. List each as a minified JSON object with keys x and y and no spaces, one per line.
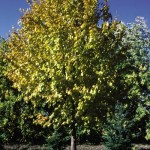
{"x":73,"y":137}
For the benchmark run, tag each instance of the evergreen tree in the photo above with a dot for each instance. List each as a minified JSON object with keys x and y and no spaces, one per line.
{"x":118,"y":129}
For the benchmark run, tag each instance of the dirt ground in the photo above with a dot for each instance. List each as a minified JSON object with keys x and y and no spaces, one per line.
{"x":142,"y":147}
{"x":101,"y":147}
{"x":89,"y":147}
{"x":79,"y":147}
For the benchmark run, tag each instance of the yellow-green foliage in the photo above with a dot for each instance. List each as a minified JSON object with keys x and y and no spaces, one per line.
{"x":60,"y":56}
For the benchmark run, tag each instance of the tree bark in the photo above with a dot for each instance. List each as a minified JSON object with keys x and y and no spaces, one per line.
{"x":73,"y":137}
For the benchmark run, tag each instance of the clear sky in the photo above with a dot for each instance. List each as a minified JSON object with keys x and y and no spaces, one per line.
{"x":9,"y":14}
{"x":126,"y":10}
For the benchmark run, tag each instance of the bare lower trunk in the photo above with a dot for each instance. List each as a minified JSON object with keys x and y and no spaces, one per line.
{"x":73,"y":137}
{"x":73,"y":143}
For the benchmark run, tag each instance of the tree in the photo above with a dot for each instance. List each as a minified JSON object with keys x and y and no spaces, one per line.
{"x":132,"y":86}
{"x":61,"y":58}
{"x":138,"y":37}
{"x":16,"y":116}
{"x":118,"y":129}
{"x":8,"y":96}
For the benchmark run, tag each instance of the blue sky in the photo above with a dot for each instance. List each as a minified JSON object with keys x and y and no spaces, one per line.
{"x":125,"y":10}
{"x":9,"y":15}
{"x":128,"y":10}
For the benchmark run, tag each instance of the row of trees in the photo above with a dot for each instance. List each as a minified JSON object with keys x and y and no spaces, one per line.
{"x":62,"y":71}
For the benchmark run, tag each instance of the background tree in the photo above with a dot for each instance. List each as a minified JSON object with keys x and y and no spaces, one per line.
{"x":132,"y":86}
{"x":16,"y":116}
{"x":8,"y":96}
{"x":118,"y":129}
{"x":138,"y":37}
